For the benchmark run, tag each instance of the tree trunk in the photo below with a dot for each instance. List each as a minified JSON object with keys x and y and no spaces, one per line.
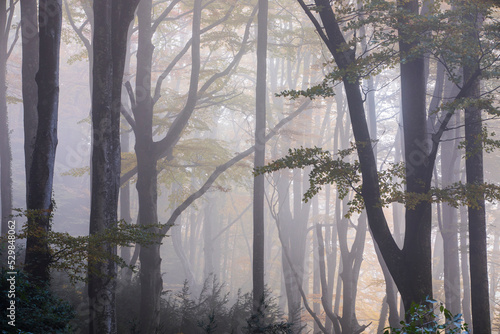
{"x":465,"y":271}
{"x":478,"y":252}
{"x":111,"y":22}
{"x":5,"y":150}
{"x":150,"y":273}
{"x":29,"y":35}
{"x":449,"y":231}
{"x":42,"y":168}
{"x":478,"y":246}
{"x":410,"y":267}
{"x":105,"y":169}
{"x":125,"y":254}
{"x":417,"y":284}
{"x":259,"y":160}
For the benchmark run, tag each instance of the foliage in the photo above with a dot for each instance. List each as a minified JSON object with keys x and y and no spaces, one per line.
{"x":429,"y":33}
{"x":427,"y":318}
{"x":326,"y":169}
{"x":210,"y":312}
{"x":71,"y":253}
{"x":37,"y":310}
{"x":256,"y":324}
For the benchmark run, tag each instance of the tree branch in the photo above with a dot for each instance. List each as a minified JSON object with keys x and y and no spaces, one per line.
{"x":128,"y":117}
{"x":78,"y":31}
{"x":222,"y":168}
{"x":170,"y":66}
{"x":436,"y":137}
{"x":163,"y":15}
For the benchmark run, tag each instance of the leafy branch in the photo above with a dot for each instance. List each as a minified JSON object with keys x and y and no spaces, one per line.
{"x":327,"y":168}
{"x":71,"y":254}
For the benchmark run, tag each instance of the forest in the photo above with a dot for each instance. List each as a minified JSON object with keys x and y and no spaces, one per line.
{"x":249,"y":166}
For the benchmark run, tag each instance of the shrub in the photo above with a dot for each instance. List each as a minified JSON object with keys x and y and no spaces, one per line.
{"x":37,"y":310}
{"x":210,"y":312}
{"x":430,"y":318}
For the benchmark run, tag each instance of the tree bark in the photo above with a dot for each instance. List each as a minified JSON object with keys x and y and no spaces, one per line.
{"x":150,"y":274}
{"x":259,"y":160}
{"x":105,"y":168}
{"x":29,"y":34}
{"x":417,"y":284}
{"x":42,"y":167}
{"x":411,"y":266}
{"x":478,"y":251}
{"x":478,"y":246}
{"x":111,"y":22}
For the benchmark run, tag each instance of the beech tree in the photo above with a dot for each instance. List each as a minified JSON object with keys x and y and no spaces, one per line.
{"x":478,"y":249}
{"x":40,"y":182}
{"x":111,"y":23}
{"x":259,"y":160}
{"x":149,"y":151}
{"x":410,"y":266}
{"x":29,"y":36}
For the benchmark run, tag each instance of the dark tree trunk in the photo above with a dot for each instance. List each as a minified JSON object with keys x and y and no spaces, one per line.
{"x":150,"y":273}
{"x":42,"y":167}
{"x":29,"y":34}
{"x":111,"y":22}
{"x":411,"y":266}
{"x":478,"y":251}
{"x":417,"y":283}
{"x":259,"y":159}
{"x":478,"y":246}
{"x":104,"y":173}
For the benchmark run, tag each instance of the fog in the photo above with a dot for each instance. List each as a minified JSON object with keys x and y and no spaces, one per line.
{"x":189,"y":111}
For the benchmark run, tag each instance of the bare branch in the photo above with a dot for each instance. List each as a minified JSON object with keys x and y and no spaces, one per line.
{"x":78,"y":31}
{"x":222,"y":168}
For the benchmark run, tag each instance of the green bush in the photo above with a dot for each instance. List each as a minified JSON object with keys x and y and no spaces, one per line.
{"x":430,"y":318}
{"x":37,"y":310}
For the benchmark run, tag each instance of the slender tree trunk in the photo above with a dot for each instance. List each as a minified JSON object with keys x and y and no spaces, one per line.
{"x":465,"y":271}
{"x":259,"y":160}
{"x":5,"y":150}
{"x":495,"y":254}
{"x":478,"y":246}
{"x":29,"y":35}
{"x":449,"y":231}
{"x":150,"y":274}
{"x":125,"y":207}
{"x":478,"y":252}
{"x":315,"y":269}
{"x":42,"y":168}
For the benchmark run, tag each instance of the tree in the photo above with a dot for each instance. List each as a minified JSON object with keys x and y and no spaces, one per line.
{"x":478,"y":248}
{"x":149,"y":151}
{"x":111,"y":22}
{"x":29,"y":36}
{"x":259,"y":159}
{"x":410,"y":266}
{"x":42,"y":167}
{"x":6,"y":15}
